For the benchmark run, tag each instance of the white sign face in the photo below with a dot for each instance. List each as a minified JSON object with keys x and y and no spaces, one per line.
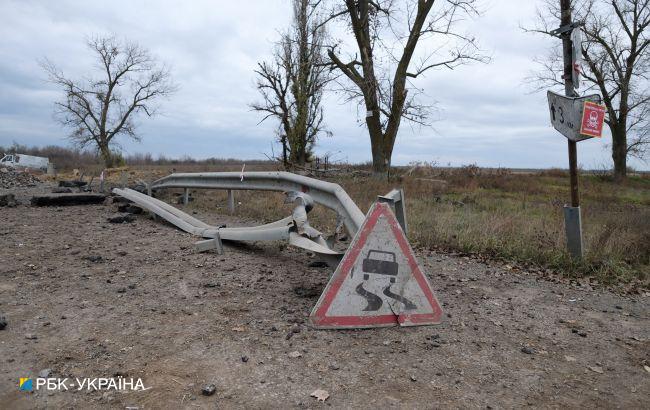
{"x":378,"y":282}
{"x":576,"y":56}
{"x":566,"y":114}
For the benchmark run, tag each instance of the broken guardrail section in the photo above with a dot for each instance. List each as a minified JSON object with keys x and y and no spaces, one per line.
{"x":356,"y":295}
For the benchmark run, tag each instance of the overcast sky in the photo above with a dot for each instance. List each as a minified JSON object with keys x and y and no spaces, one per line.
{"x":486,"y":112}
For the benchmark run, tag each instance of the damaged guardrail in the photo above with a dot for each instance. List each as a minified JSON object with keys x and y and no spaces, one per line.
{"x":324,"y":193}
{"x":377,"y":281}
{"x":294,"y":228}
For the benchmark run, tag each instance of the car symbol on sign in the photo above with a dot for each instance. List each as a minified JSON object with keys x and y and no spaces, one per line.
{"x":380,"y":262}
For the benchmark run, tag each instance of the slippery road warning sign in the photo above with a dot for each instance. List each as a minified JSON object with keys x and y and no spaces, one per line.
{"x":378,"y":282}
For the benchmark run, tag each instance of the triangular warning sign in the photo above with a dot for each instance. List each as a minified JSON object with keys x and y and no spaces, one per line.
{"x":378,"y":282}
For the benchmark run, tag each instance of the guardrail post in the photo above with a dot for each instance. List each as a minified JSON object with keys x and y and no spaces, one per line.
{"x":186,"y":196}
{"x":231,"y":201}
{"x":150,"y":193}
{"x":395,"y":199}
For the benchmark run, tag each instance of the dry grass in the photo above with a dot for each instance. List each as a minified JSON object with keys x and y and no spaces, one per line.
{"x":495,"y":213}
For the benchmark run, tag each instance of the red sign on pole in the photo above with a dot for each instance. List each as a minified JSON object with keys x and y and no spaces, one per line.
{"x":593,"y":117}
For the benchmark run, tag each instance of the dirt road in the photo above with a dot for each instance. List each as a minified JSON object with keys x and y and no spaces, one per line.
{"x":87,"y":298}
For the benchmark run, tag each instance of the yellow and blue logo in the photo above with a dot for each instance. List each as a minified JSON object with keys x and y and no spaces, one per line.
{"x":26,"y":384}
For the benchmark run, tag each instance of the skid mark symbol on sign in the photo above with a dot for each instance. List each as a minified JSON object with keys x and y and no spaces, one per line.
{"x":378,"y":282}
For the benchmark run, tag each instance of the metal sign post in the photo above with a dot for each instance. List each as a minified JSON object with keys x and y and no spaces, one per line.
{"x":577,"y":118}
{"x":572,"y":220}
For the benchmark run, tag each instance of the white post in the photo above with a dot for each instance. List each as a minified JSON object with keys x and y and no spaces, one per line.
{"x":231,"y":201}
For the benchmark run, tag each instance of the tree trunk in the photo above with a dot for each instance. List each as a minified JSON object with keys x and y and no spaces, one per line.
{"x":619,"y":152}
{"x":107,"y":156}
{"x":380,"y":161}
{"x":285,"y":160}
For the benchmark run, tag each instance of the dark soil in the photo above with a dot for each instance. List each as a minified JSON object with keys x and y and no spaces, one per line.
{"x":83,"y":297}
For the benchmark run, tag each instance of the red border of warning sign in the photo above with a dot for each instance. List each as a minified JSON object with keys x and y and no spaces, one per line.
{"x":318,"y":317}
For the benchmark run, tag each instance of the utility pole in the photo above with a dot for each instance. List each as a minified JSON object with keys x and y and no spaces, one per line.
{"x":569,"y":91}
{"x":572,"y":220}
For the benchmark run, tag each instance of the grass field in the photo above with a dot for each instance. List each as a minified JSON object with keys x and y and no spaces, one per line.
{"x":494,"y":213}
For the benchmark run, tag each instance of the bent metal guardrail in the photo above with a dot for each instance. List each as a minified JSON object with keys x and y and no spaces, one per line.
{"x":301,"y":191}
{"x":327,"y":194}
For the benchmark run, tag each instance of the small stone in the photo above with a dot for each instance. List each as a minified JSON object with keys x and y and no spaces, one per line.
{"x":208,"y":390}
{"x":31,"y":336}
{"x":295,"y":354}
{"x":93,"y":258}
{"x":121,"y":290}
{"x":121,"y":218}
{"x":596,"y":369}
{"x":3,"y":322}
{"x":413,"y":378}
{"x":320,"y":394}
{"x":334,"y":366}
{"x":45,"y":373}
{"x":619,"y":307}
{"x":527,"y":350}
{"x":244,"y":359}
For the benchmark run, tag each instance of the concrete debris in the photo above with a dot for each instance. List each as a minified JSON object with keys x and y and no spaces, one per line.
{"x":320,"y":395}
{"x":8,"y":200}
{"x":61,"y":190}
{"x":208,"y":390}
{"x":72,"y":184}
{"x":121,"y":218}
{"x":67,"y":199}
{"x":129,"y":209}
{"x":10,"y":178}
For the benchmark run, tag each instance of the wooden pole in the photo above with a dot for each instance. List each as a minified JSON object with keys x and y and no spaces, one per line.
{"x":565,"y":6}
{"x":572,"y":219}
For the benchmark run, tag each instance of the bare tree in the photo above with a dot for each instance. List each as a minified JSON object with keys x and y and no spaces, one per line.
{"x":381,"y":72}
{"x":102,"y":108}
{"x":292,"y":83}
{"x":616,"y":54}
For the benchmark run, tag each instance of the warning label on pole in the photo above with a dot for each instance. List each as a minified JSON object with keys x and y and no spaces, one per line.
{"x":378,"y":282}
{"x":593,"y":117}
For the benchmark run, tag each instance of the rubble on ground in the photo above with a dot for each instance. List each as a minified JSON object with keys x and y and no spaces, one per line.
{"x":10,"y":178}
{"x":8,"y":200}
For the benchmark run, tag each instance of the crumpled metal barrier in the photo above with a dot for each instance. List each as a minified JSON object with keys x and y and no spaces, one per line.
{"x":301,"y":191}
{"x":324,"y":193}
{"x":298,"y":233}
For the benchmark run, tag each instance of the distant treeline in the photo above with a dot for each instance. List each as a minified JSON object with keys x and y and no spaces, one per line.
{"x":65,"y":158}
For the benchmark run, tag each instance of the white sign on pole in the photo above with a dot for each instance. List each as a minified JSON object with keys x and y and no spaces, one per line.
{"x":576,"y":56}
{"x":566,"y":114}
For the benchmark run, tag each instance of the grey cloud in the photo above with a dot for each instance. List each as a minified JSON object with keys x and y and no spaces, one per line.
{"x":485,"y":112}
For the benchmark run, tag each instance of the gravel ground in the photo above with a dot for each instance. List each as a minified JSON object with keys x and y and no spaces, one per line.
{"x":86,"y":298}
